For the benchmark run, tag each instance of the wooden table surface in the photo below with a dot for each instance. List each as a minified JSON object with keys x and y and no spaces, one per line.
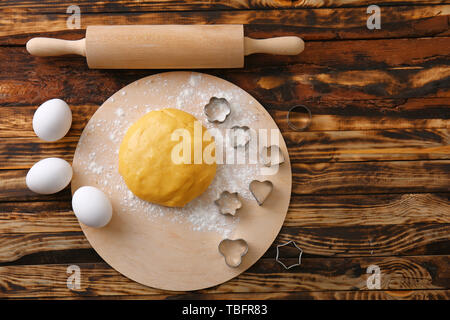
{"x":371,"y":176}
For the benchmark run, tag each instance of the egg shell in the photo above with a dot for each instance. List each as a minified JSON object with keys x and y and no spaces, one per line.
{"x":49,"y":176}
{"x":52,"y":120}
{"x":92,"y":207}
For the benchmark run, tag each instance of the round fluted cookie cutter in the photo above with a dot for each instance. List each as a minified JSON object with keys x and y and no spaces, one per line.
{"x":293,"y":126}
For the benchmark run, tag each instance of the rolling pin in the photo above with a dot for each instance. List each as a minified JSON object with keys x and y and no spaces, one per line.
{"x":165,"y":46}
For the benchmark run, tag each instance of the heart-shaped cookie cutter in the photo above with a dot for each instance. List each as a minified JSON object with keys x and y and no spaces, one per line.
{"x":233,"y":251}
{"x":261,"y":190}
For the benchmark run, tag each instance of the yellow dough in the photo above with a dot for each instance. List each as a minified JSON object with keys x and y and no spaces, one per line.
{"x":146,"y":160}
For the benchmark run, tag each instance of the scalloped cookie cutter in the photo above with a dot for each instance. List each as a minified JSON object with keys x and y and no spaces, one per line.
{"x":261,"y":190}
{"x":217,"y":109}
{"x":307,"y":122}
{"x":228,"y":203}
{"x":233,"y":251}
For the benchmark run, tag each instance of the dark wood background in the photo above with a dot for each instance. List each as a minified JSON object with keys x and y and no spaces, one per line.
{"x":371,"y":176}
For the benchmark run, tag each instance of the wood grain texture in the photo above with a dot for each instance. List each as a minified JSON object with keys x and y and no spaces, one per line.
{"x":305,"y":211}
{"x":332,"y":146}
{"x":37,"y":217}
{"x":13,"y":188}
{"x":371,"y":177}
{"x":15,"y":246}
{"x":371,"y":174}
{"x":310,"y":178}
{"x":170,"y":5}
{"x":364,"y":240}
{"x":421,"y":75}
{"x":350,"y":226}
{"x":340,"y":115}
{"x":363,"y":210}
{"x":314,"y":275}
{"x":19,"y":23}
{"x":306,"y":295}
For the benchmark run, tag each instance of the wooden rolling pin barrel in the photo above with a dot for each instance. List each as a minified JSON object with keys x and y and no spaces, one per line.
{"x":165,"y":46}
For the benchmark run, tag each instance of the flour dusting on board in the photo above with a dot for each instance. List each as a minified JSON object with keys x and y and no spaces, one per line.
{"x":201,"y":213}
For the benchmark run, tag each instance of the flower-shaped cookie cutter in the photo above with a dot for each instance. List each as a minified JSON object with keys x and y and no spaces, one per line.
{"x":233,"y":251}
{"x":228,"y":203}
{"x":271,"y":156}
{"x":303,"y":109}
{"x":261,"y":190}
{"x":277,"y":258}
{"x":217,"y":109}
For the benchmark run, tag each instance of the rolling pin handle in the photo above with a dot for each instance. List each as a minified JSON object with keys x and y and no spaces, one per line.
{"x":47,"y":47}
{"x":290,"y":45}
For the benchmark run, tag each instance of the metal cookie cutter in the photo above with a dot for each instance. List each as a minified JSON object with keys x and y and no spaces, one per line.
{"x":277,"y":258}
{"x":217,"y":109}
{"x":261,"y":190}
{"x":233,"y":251}
{"x":240,"y":136}
{"x":307,"y":122}
{"x":271,"y":156}
{"x":228,"y":203}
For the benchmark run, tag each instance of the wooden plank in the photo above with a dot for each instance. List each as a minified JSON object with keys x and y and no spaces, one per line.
{"x":368,"y":145}
{"x":16,"y":121}
{"x":306,"y":295}
{"x":313,"y":211}
{"x":48,"y":217}
{"x":68,"y":252}
{"x":312,"y":178}
{"x":419,"y":113}
{"x":407,"y":273}
{"x":293,"y":83}
{"x":22,"y":153}
{"x":29,"y":228}
{"x":364,"y":240}
{"x":422,"y":75}
{"x":364,"y":210}
{"x":371,"y":177}
{"x":308,"y":178}
{"x":14,"y":188}
{"x":339,"y":115}
{"x":88,"y":6}
{"x":345,"y":55}
{"x":363,"y":54}
{"x":374,"y":114}
{"x":16,"y":246}
{"x":332,"y":146}
{"x":19,"y":23}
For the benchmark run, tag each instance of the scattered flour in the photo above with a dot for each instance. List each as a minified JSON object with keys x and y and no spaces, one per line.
{"x":201,"y":213}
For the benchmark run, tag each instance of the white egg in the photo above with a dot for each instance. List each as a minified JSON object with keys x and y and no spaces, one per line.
{"x":92,"y":207}
{"x":52,"y":120}
{"x":49,"y":176}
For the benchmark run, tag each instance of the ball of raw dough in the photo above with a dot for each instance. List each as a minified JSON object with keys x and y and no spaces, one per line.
{"x":157,"y":168}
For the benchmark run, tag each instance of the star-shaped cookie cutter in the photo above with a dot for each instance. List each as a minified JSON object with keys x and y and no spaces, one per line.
{"x":277,"y":258}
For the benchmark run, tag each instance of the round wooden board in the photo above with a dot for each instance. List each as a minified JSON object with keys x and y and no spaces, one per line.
{"x":159,"y":252}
